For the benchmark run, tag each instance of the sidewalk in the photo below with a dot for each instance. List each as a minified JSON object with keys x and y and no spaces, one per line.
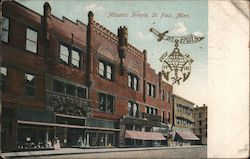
{"x":67,"y":151}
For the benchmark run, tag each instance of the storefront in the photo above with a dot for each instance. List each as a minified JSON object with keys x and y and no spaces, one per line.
{"x":35,"y":129}
{"x":139,"y":133}
{"x":140,"y":138}
{"x":185,"y":138}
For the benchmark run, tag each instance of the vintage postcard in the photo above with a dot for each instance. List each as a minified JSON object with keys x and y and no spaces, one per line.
{"x":118,"y":79}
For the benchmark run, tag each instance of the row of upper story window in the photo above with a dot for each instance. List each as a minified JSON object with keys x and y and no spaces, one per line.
{"x":30,"y":82}
{"x":31,"y":36}
{"x":68,"y":55}
{"x":72,"y":56}
{"x":184,"y":122}
{"x":184,"y":109}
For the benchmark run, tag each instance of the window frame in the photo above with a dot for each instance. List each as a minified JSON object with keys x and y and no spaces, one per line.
{"x":105,"y":104}
{"x":71,"y":49}
{"x":151,"y":89}
{"x":76,"y":88}
{"x":133,"y":78}
{"x":5,"y":30}
{"x":3,"y":83}
{"x":132,"y":112}
{"x":30,"y":86}
{"x":30,"y":40}
{"x":106,"y":64}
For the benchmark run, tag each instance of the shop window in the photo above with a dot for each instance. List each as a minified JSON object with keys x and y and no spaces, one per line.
{"x":133,"y":82}
{"x":110,"y":140}
{"x":82,"y":92}
{"x":101,"y":139}
{"x":69,"y":55}
{"x":3,"y":79}
{"x":132,"y":109}
{"x":105,"y":70}
{"x":106,"y":103}
{"x":5,"y":29}
{"x":70,"y":89}
{"x":30,"y":85}
{"x":58,"y":86}
{"x":31,"y":40}
{"x":92,"y":139}
{"x":151,"y":90}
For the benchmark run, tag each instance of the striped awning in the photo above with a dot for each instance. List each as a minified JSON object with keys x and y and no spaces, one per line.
{"x":140,"y":135}
{"x":187,"y":136}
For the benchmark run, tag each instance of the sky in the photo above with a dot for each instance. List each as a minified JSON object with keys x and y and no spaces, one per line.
{"x":179,"y":17}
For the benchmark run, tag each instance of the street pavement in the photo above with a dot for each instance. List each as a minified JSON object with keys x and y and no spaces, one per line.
{"x":141,"y":153}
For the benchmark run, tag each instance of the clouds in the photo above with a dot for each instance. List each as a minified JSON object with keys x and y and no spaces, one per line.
{"x":179,"y":29}
{"x":198,"y":33}
{"x":143,"y":36}
{"x":94,"y":7}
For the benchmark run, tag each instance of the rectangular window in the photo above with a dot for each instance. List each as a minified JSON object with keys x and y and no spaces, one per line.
{"x":133,"y":109}
{"x":3,"y":79}
{"x":148,"y":89}
{"x":101,"y":68}
{"x":133,"y":82}
{"x":106,"y":103}
{"x":70,"y":89}
{"x":168,"y":117}
{"x":109,"y":72}
{"x":64,"y":53}
{"x":167,"y":96}
{"x":31,"y":40}
{"x":163,"y":116}
{"x":163,"y":92}
{"x":82,"y":92}
{"x":110,"y":104}
{"x":59,"y":86}
{"x":105,"y":70}
{"x":200,"y":114}
{"x":5,"y":29}
{"x":69,"y":55}
{"x":75,"y":58}
{"x":30,"y":85}
{"x":151,"y":90}
{"x":200,"y":123}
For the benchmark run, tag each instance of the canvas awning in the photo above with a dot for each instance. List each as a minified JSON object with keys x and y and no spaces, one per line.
{"x":187,"y":136}
{"x":140,"y":135}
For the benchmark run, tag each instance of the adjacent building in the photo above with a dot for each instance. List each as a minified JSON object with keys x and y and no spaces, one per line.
{"x":77,"y":85}
{"x":183,"y":121}
{"x":200,"y":126}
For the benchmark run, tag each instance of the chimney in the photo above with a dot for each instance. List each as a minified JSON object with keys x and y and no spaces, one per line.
{"x":122,"y":46}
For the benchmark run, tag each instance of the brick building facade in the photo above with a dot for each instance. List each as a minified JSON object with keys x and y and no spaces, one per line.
{"x":200,"y":127}
{"x":80,"y":85}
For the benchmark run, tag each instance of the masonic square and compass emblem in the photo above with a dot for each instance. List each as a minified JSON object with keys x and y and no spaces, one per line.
{"x":176,"y":66}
